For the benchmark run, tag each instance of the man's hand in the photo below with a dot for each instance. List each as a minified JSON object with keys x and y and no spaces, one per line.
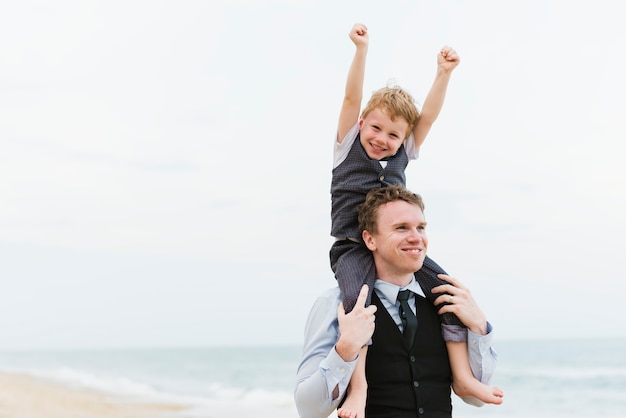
{"x":459,"y":301}
{"x":355,"y":328}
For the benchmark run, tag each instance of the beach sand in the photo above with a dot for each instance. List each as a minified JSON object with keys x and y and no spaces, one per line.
{"x":23,"y":396}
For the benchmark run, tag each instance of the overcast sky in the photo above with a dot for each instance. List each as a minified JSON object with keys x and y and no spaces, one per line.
{"x":161,"y":161}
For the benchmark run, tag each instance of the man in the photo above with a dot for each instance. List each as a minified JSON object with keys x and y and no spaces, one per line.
{"x":404,"y":380}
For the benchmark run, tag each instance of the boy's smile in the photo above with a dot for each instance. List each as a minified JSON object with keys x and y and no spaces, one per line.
{"x":380,"y":136}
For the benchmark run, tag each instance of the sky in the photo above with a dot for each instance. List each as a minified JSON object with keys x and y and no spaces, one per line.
{"x":165,"y":166}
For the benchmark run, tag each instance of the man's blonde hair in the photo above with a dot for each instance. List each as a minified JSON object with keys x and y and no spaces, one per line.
{"x":396,"y":103}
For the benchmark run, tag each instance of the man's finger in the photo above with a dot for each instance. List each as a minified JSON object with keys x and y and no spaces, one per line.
{"x":452,"y":280}
{"x":360,"y":301}
{"x":447,"y":278}
{"x":341,"y":312}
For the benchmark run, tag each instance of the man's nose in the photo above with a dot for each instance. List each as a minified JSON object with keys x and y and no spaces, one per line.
{"x":415,"y":235}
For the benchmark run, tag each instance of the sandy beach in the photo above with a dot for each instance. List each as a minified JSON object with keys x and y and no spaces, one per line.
{"x":23,"y":396}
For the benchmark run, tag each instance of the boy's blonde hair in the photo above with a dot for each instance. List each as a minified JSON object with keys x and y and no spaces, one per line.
{"x":396,"y":103}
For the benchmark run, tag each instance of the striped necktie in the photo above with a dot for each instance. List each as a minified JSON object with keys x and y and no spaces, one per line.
{"x":409,"y":320}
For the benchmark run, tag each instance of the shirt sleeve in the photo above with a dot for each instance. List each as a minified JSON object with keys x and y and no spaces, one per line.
{"x":341,"y":150}
{"x":409,"y":148}
{"x":323,"y":376}
{"x":482,"y":359}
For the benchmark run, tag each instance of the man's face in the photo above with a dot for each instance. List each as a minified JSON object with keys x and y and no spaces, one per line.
{"x":399,"y":246}
{"x":380,"y":136}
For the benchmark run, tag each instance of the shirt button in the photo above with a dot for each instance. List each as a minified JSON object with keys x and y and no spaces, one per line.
{"x":420,"y":411}
{"x":342,"y":370}
{"x":382,"y":178}
{"x":416,"y":383}
{"x":412,"y":358}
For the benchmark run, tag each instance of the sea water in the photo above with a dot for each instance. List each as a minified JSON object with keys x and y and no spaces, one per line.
{"x":542,"y":378}
{"x":558,"y":379}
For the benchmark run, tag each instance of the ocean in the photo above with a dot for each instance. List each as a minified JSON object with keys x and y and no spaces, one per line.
{"x":541,"y":378}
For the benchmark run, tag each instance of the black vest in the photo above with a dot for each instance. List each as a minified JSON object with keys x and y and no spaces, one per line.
{"x":351,"y":181}
{"x":405,"y":383}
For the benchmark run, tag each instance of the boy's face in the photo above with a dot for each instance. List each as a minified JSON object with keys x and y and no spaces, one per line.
{"x":380,"y":136}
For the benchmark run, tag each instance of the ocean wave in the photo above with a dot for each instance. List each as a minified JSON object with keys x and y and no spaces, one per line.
{"x":203,"y":399}
{"x":252,"y":396}
{"x":569,"y":373}
{"x":79,"y":379}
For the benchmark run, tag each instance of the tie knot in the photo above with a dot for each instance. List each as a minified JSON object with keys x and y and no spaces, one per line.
{"x":403,"y":295}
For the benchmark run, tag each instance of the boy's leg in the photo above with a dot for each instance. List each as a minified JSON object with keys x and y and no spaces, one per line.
{"x":354,"y":404}
{"x":464,"y":384}
{"x":353,"y":266}
{"x":427,"y":279}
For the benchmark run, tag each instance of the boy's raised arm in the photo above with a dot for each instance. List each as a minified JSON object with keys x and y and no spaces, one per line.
{"x":447,"y":60}
{"x":351,"y":106}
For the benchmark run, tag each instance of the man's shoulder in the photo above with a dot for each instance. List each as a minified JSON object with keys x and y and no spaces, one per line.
{"x":324,"y":308}
{"x":332,"y":294}
{"x":328,"y":299}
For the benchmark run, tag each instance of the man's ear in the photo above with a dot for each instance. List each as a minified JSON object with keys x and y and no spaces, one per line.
{"x":369,"y":240}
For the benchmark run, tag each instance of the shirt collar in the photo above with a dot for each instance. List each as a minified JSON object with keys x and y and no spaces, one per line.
{"x":390,"y":291}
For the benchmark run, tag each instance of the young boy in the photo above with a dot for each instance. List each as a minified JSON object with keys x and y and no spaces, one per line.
{"x":372,"y":150}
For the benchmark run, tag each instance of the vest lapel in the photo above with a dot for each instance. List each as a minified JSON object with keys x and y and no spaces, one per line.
{"x":382,"y":311}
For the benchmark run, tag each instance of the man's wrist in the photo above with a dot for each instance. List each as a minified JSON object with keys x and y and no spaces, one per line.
{"x":480,"y":328}
{"x":347,"y":352}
